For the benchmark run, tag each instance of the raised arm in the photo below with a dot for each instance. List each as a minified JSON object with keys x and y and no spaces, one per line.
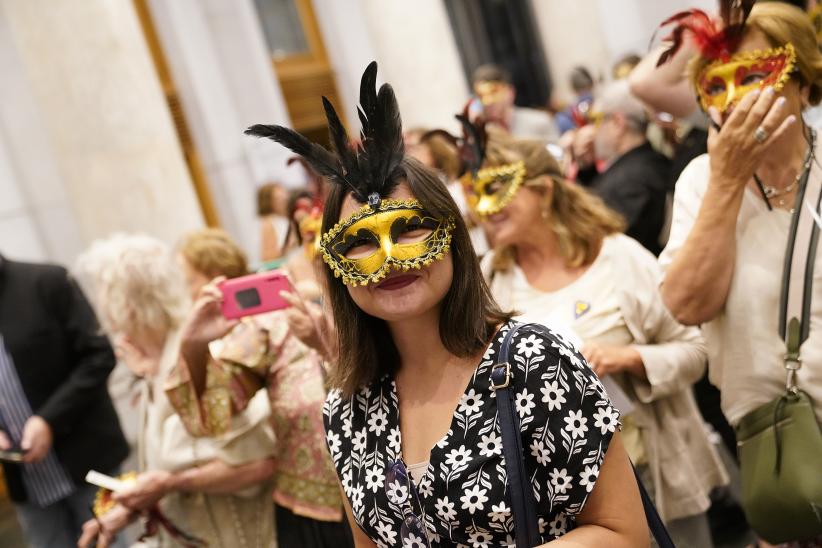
{"x":665,"y":88}
{"x":698,"y":280}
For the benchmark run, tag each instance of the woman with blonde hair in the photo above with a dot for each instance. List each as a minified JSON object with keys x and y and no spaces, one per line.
{"x":560,"y":259}
{"x":741,"y":260}
{"x":225,"y":365}
{"x":214,"y":489}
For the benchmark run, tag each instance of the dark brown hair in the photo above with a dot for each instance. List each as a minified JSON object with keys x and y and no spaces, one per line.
{"x":469,"y":315}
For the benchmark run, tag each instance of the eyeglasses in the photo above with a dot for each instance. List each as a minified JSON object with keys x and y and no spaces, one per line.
{"x":399,"y":488}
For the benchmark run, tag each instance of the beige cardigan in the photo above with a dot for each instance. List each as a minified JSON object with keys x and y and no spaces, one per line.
{"x":683,"y":463}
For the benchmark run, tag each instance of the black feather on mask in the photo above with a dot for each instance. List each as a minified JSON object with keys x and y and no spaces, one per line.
{"x":367,"y":168}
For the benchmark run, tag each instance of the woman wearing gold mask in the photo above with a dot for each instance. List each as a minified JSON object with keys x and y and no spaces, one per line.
{"x":412,"y":421}
{"x":560,"y":258}
{"x":734,"y":210}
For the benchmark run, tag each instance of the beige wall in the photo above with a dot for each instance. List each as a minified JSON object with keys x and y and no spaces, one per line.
{"x":82,"y":73}
{"x":414,"y":46}
{"x":595,"y":33}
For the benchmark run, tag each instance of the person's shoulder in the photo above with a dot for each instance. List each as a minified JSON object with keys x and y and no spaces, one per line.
{"x":363,"y":399}
{"x":534,"y":343}
{"x":646,"y":164}
{"x":622,"y":246}
{"x":47,"y":279}
{"x":630,"y":259}
{"x":48,"y":271}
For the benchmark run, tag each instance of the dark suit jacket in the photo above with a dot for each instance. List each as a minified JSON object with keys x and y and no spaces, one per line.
{"x":63,"y":361}
{"x":636,"y":186}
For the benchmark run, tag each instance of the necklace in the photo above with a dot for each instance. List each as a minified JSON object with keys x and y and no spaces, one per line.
{"x":772,"y":192}
{"x":769,"y":192}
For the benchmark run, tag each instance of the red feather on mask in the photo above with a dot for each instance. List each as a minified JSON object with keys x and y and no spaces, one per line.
{"x":713,"y":38}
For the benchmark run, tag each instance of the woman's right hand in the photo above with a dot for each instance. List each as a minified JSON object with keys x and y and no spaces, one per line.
{"x":734,"y":151}
{"x":205,"y":322}
{"x":310,"y":324}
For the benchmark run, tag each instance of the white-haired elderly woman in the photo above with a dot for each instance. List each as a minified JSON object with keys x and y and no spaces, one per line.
{"x":216,"y":489}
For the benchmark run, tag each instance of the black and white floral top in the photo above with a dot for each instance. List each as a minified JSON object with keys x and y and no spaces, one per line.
{"x":566,"y":421}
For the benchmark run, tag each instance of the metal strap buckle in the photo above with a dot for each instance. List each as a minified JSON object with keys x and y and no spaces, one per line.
{"x":500,"y":376}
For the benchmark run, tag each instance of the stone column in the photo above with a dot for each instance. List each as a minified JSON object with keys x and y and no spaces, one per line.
{"x":105,"y":149}
{"x":223,"y":73}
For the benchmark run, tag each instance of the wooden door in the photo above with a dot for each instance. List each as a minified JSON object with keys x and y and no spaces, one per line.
{"x":300,"y":62}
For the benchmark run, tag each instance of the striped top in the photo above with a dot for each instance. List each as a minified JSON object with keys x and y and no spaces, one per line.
{"x":46,"y":481}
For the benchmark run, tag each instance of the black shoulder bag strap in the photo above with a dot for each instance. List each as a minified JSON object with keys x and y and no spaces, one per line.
{"x":797,"y":274}
{"x":523,"y":505}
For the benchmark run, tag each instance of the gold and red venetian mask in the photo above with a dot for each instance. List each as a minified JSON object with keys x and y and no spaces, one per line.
{"x":722,"y":83}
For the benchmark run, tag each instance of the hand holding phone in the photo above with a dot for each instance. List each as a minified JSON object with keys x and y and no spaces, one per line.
{"x":15,"y":456}
{"x":254,"y":294}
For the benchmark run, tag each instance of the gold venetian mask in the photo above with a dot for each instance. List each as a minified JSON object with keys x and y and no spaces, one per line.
{"x":723,"y":84}
{"x":490,"y":92}
{"x":363,"y":248}
{"x":310,"y":227}
{"x":493,"y":188}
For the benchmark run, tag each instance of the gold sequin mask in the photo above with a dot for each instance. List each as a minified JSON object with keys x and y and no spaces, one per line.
{"x":310,"y":227}
{"x":491,"y":91}
{"x":493,"y":188}
{"x":722,"y":84}
{"x":397,"y":234}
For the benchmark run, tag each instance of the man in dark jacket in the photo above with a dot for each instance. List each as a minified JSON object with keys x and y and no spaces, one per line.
{"x":636,"y":179}
{"x":54,"y":404}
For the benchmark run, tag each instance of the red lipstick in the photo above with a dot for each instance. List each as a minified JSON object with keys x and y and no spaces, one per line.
{"x":397,"y":282}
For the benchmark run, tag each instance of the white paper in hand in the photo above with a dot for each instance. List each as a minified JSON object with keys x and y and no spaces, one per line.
{"x":104,"y":481}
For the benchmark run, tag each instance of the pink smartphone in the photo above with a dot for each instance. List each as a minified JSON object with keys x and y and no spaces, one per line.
{"x":254,"y":294}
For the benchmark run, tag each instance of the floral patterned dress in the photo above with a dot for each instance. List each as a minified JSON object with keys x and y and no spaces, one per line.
{"x":566,"y":423}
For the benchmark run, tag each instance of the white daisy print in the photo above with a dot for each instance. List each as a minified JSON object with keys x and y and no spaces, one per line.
{"x":463,"y":498}
{"x":458,"y":457}
{"x":539,"y":451}
{"x":445,"y":509}
{"x":568,"y":353}
{"x":413,"y":541}
{"x":397,"y":492}
{"x":588,"y":477}
{"x":606,"y":419}
{"x":474,"y":499}
{"x":346,"y":482}
{"x":356,"y":497}
{"x":480,"y":539}
{"x":374,"y":479}
{"x":524,"y":403}
{"x":359,"y":441}
{"x":576,"y":424}
{"x":558,"y":525}
{"x":490,"y":445}
{"x":499,"y":512}
{"x":553,"y":395}
{"x":387,"y":532}
{"x":378,"y":422}
{"x":560,"y":480}
{"x":470,"y":403}
{"x":425,"y":487}
{"x":333,"y":440}
{"x":529,"y":346}
{"x":394,"y":440}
